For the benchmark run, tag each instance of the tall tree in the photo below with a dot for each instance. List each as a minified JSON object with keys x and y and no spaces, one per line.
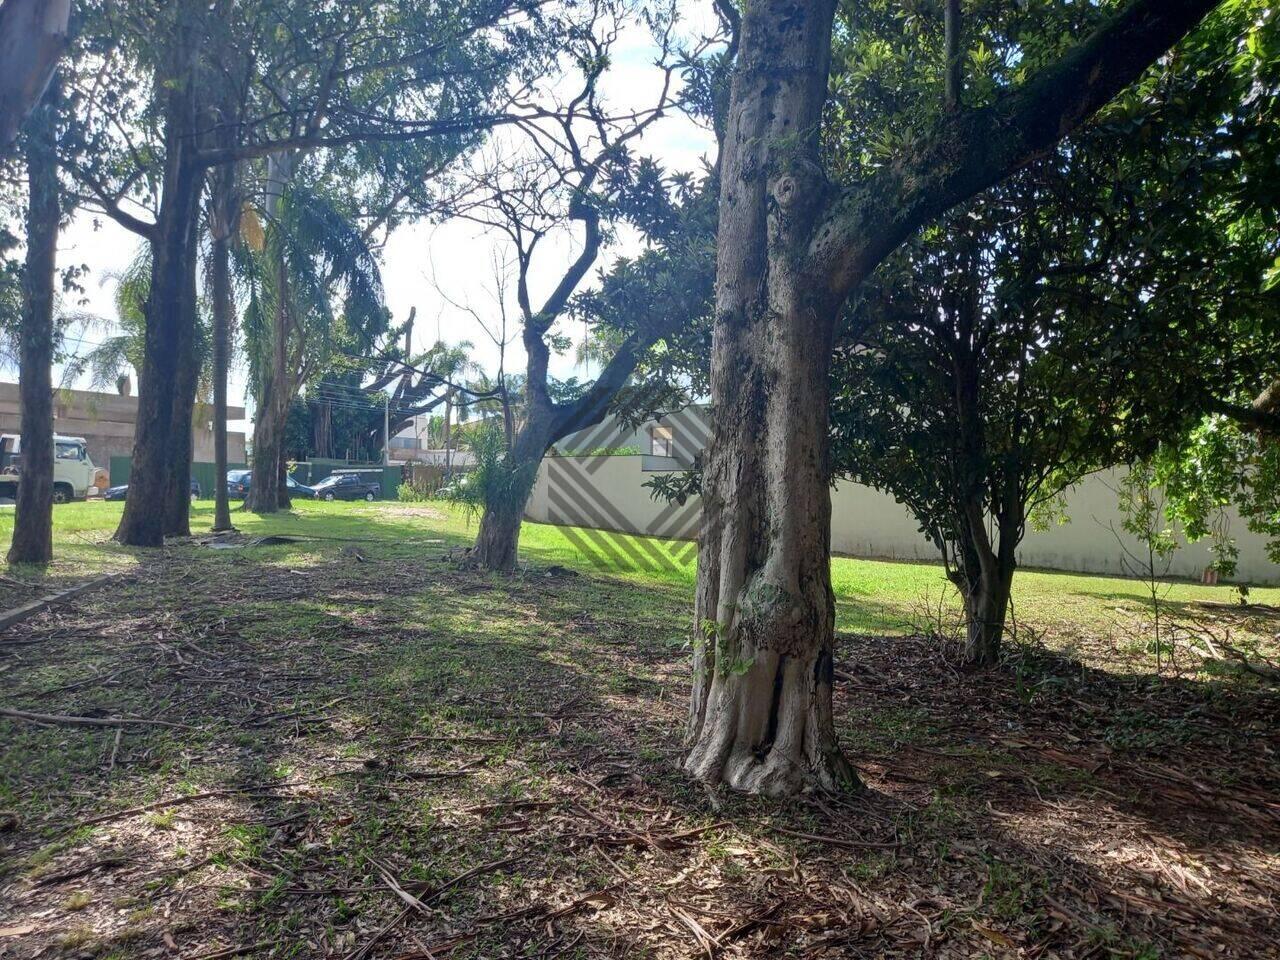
{"x":793,"y":246}
{"x":316,"y":272}
{"x":313,"y":77}
{"x":225,"y":204}
{"x":33,"y":523}
{"x":162,"y":45}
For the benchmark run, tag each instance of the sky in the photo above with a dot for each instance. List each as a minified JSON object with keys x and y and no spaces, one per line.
{"x":441,"y":269}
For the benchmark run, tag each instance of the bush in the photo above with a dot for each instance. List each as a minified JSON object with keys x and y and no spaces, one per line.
{"x":495,"y":478}
{"x":408,"y":493}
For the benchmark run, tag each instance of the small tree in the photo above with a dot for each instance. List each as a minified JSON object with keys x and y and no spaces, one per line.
{"x":580,"y":170}
{"x":1142,"y":503}
{"x":1062,"y":322}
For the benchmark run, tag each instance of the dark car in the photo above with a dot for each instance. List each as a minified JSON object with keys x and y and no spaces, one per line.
{"x":238,"y":485}
{"x":347,"y":486}
{"x":120,"y":492}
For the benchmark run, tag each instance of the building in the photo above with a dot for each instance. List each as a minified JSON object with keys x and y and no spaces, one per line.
{"x":413,"y":445}
{"x":106,"y":421}
{"x":598,"y":481}
{"x":408,"y":444}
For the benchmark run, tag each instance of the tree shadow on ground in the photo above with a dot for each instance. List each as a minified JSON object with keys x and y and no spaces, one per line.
{"x":367,"y":729}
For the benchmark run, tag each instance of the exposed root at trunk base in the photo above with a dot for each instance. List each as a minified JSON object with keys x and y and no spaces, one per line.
{"x":775,"y":773}
{"x":768,"y":731}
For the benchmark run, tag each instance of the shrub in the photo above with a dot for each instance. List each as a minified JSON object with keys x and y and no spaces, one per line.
{"x":408,"y":493}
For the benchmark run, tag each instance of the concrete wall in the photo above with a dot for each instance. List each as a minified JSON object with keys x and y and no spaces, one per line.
{"x":106,"y":421}
{"x":608,"y":493}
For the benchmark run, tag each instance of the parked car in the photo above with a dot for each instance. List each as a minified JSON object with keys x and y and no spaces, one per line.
{"x":120,"y":492}
{"x":73,"y":471}
{"x":238,"y":485}
{"x":347,"y":486}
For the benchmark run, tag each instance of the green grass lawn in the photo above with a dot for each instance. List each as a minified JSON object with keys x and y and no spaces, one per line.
{"x":294,"y":723}
{"x":872,"y":596}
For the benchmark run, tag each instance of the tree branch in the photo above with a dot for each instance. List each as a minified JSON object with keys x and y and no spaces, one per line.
{"x":591,"y":408}
{"x":111,"y":204}
{"x":974,"y":149}
{"x":954,"y":85}
{"x":1253,"y":417}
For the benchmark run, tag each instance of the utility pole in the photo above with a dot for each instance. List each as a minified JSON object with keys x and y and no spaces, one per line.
{"x":386,"y":431}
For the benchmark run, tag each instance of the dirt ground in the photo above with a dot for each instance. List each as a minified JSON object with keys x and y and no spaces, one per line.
{"x":324,"y":751}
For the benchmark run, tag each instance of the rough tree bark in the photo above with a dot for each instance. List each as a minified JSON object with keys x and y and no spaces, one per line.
{"x":33,"y":520}
{"x":498,"y":540}
{"x":224,"y":211}
{"x":263,"y":495}
{"x":760,"y":715}
{"x":33,"y":34}
{"x":791,"y":249}
{"x":277,"y":387}
{"x":170,"y":312}
{"x":985,"y":581}
{"x":181,"y":447}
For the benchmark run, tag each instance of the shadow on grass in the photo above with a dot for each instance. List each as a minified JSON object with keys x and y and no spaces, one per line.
{"x":359,"y":719}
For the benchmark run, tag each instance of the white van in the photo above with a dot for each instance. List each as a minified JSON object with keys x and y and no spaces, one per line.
{"x":73,"y":471}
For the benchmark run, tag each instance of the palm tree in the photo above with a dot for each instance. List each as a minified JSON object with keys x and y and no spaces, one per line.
{"x":109,"y":362}
{"x":453,"y":364}
{"x":499,"y":396}
{"x":121,"y":350}
{"x":314,"y":279}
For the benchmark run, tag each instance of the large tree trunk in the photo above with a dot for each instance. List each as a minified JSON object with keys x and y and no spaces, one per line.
{"x":498,"y":541}
{"x":170,"y":313}
{"x":276,"y":389}
{"x":33,"y":34}
{"x":177,"y":504}
{"x":760,"y":713}
{"x":223,"y":319}
{"x":268,"y":437}
{"x":33,"y":522}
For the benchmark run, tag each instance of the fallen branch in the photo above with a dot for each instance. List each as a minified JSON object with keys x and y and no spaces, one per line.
{"x":89,"y":721}
{"x":78,"y":872}
{"x":836,"y":841}
{"x":177,"y":802}
{"x":394,"y":886}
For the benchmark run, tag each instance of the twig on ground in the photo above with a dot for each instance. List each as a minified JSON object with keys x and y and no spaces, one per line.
{"x":54,"y":718}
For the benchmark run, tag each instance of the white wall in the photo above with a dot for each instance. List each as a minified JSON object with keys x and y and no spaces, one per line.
{"x":608,"y":493}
